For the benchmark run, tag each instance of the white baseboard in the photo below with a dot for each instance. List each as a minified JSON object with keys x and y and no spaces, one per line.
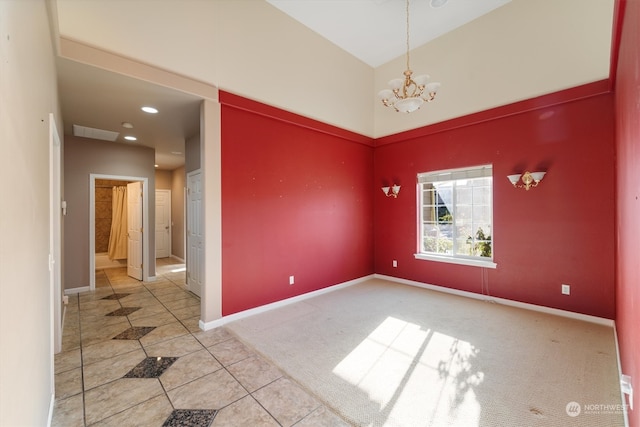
{"x":267,"y":307}
{"x":625,"y":406}
{"x":51,"y":406}
{"x":64,"y":316}
{"x":503,"y":301}
{"x":73,"y":291}
{"x":178,"y":258}
{"x":212,"y":324}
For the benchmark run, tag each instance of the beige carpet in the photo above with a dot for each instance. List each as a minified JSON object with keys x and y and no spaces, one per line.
{"x":385,"y":354}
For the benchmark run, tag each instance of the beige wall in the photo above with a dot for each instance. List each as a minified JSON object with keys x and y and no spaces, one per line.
{"x":178,"y":185}
{"x":247,"y":47}
{"x":487,"y":63}
{"x":192,"y":154}
{"x":163,"y":180}
{"x":210,"y":130}
{"x":82,"y":158}
{"x":28,"y":95}
{"x":252,"y":49}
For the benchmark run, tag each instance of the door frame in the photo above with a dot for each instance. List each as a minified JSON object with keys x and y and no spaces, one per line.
{"x":55,"y":236}
{"x":162,"y":190}
{"x":92,"y":223}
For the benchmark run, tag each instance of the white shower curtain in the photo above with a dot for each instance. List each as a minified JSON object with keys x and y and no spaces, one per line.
{"x":118,"y":235}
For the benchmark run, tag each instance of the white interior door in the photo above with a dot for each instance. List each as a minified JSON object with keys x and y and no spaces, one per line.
{"x":163,"y":223}
{"x":195,"y":248}
{"x":134,"y":232}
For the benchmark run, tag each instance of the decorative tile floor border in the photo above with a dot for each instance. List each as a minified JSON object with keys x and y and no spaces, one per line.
{"x":151,"y":367}
{"x":190,"y":418}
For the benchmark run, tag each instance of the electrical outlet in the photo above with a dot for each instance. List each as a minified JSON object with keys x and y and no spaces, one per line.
{"x":291,"y":280}
{"x":627,"y":388}
{"x":566,"y":289}
{"x":395,"y":263}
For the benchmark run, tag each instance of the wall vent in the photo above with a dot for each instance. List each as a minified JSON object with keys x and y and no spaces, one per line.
{"x":86,"y":132}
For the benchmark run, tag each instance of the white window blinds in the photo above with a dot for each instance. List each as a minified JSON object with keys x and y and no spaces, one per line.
{"x":484,"y":171}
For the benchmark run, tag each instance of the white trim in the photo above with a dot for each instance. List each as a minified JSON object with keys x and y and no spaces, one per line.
{"x":503,"y":301}
{"x":51,"y":407}
{"x":456,"y":260}
{"x":77,"y":290}
{"x":526,"y":306}
{"x":625,"y":406}
{"x":55,"y":249}
{"x":64,"y":315}
{"x":177,"y":258}
{"x":212,"y":324}
{"x":92,"y":224}
{"x":151,"y":278}
{"x":443,"y":176}
{"x":481,"y":171}
{"x":278,"y":304}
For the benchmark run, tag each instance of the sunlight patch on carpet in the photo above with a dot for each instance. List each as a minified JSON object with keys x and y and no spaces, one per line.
{"x":414,"y":372}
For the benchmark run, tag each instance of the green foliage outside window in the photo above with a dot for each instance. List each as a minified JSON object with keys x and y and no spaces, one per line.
{"x":482,"y":245}
{"x":446,"y":217}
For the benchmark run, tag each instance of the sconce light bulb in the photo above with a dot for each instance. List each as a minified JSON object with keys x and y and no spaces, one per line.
{"x":528,"y":179}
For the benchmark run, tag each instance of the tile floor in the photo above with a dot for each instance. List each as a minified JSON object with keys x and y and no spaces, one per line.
{"x":133,"y":355}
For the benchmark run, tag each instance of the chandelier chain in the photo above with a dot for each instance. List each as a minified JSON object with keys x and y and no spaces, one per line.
{"x":407,"y":13}
{"x":407,"y":94}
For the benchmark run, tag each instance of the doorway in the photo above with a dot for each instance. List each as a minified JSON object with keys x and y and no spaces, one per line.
{"x":141,"y":266}
{"x":163,"y":223}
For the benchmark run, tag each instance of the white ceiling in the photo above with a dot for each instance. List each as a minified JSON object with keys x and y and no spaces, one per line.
{"x":101,"y":99}
{"x":374,"y":31}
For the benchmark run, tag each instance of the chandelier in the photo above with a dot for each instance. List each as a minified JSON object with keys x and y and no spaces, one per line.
{"x":408,"y":94}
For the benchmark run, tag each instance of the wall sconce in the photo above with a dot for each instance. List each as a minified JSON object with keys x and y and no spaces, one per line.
{"x":529,"y":179}
{"x":394,"y":191}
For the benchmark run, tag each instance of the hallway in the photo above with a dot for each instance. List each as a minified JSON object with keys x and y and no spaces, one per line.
{"x":133,"y":355}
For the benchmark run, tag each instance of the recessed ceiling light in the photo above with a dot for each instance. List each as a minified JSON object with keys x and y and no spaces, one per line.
{"x":177,"y":153}
{"x":149,"y":110}
{"x":130,"y":138}
{"x":127,"y":125}
{"x":438,"y":3}
{"x":155,"y":166}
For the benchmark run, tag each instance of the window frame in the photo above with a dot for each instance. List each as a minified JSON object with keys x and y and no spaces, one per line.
{"x":449,"y":175}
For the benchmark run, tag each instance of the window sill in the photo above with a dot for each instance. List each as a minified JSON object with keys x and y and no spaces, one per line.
{"x":453,"y":260}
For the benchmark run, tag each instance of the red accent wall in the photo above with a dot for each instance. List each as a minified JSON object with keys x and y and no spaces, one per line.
{"x":560,"y":232}
{"x":296,"y":201}
{"x":627,"y":107}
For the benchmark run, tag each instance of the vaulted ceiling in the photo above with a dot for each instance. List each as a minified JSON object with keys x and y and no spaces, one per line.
{"x":373,"y":31}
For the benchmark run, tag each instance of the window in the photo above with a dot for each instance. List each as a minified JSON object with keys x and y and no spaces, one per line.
{"x":456,"y":216}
